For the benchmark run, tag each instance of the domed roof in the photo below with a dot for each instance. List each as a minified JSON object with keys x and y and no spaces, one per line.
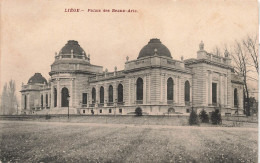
{"x":72,"y":45}
{"x":37,"y":78}
{"x":153,"y":47}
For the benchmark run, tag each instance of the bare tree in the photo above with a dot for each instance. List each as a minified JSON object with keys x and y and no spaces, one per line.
{"x":251,"y":45}
{"x":241,"y":67}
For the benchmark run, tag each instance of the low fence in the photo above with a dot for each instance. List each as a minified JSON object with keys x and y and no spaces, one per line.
{"x":252,"y":119}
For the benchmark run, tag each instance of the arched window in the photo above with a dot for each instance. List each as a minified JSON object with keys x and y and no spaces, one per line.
{"x":110,"y":93}
{"x":235,"y":98}
{"x":41,"y":100}
{"x":170,"y":89}
{"x":139,"y":89}
{"x":55,"y":97}
{"x":25,"y":102}
{"x":102,"y":95}
{"x":46,"y":99}
{"x":64,"y":97}
{"x":120,"y":93}
{"x":187,"y":91}
{"x":93,"y":95}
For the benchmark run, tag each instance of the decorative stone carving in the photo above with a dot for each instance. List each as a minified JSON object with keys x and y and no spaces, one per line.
{"x":201,"y":45}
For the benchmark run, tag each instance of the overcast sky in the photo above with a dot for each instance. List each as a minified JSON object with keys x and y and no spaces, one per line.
{"x":33,"y":30}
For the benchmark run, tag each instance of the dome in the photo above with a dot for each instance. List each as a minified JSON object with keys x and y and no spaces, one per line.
{"x":72,"y":45}
{"x":37,"y":78}
{"x":153,"y":47}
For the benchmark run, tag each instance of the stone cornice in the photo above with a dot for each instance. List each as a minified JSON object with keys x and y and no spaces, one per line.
{"x":72,"y":72}
{"x":197,"y":61}
{"x":162,"y":67}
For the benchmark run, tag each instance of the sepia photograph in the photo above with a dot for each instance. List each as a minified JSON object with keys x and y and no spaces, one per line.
{"x":129,"y":81}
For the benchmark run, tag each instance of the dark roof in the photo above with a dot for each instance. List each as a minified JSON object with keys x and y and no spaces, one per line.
{"x":149,"y":49}
{"x":37,"y":78}
{"x":72,"y":45}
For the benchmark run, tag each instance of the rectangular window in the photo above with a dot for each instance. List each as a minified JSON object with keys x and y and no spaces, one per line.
{"x":84,"y":98}
{"x":100,"y":111}
{"x":83,"y":111}
{"x":187,"y":110}
{"x":120,"y":110}
{"x":214,"y":93}
{"x":110,"y":110}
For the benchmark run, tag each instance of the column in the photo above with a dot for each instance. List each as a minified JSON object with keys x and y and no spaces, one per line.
{"x":174,"y":90}
{"x":220,"y":89}
{"x":144,"y":86}
{"x":165,"y":89}
{"x":22,"y":101}
{"x":58,"y":94}
{"x":210,"y":88}
{"x":115,"y":92}
{"x":178,"y":90}
{"x":71,"y":93}
{"x":105,"y":94}
{"x":52,"y":96}
{"x":161,"y":88}
{"x":97,"y":94}
{"x":149,"y":89}
{"x":226,"y":91}
{"x":28,"y":102}
{"x":134,"y":90}
{"x":129,"y":91}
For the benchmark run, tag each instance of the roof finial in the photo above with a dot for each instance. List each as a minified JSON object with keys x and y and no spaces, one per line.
{"x":182,"y":57}
{"x":201,"y":45}
{"x":127,"y":58}
{"x":226,"y":53}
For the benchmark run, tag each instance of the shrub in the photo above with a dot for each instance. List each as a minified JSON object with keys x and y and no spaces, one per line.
{"x":48,"y":116}
{"x":216,"y":117}
{"x":204,"y":117}
{"x":138,"y":111}
{"x":193,"y":119}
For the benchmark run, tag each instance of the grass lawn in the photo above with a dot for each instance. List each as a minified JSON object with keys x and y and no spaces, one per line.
{"x":30,"y":141}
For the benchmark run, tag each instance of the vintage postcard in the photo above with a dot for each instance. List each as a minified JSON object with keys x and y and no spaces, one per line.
{"x":129,"y":81}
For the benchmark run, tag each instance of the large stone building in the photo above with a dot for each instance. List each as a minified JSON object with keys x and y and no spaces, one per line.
{"x":154,"y":82}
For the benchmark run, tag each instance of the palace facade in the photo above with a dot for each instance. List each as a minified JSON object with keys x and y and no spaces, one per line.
{"x":154,"y":82}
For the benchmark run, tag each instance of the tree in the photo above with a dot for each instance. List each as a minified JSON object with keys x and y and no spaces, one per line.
{"x":216,"y":117}
{"x":138,"y":111}
{"x":204,"y":117}
{"x":241,"y":67}
{"x":251,"y":45}
{"x":8,"y":98}
{"x":193,"y":119}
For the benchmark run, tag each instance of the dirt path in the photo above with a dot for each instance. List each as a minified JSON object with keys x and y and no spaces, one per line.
{"x":2,"y":122}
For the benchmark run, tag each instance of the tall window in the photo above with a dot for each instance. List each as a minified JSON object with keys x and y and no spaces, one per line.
{"x":102,"y":95}
{"x":214,"y":93}
{"x":84,"y":98}
{"x":110,"y":93}
{"x":187,"y":91}
{"x":120,"y":93}
{"x":55,"y":97}
{"x":25,"y":102}
{"x":170,"y":89}
{"x":139,"y":89}
{"x":235,"y":98}
{"x":41,"y":100}
{"x":46,"y":99}
{"x":64,"y":97}
{"x":93,"y":95}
